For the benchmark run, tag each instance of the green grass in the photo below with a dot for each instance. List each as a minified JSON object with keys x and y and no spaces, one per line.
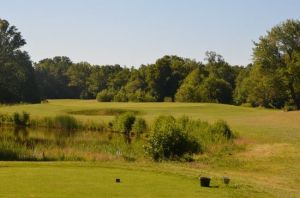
{"x":265,"y":162}
{"x":98,"y":180}
{"x":259,"y":124}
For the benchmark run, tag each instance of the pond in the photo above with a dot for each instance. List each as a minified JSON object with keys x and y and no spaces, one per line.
{"x":38,"y":144}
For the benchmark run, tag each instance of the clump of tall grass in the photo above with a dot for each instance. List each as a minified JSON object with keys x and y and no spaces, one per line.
{"x":16,"y":119}
{"x":21,"y":119}
{"x":139,"y":126}
{"x":6,"y":119}
{"x":61,"y":122}
{"x":207,"y":134}
{"x":123,"y":123}
{"x":128,"y":123}
{"x":14,"y":151}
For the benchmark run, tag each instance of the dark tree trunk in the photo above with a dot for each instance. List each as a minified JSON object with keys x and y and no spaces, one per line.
{"x":294,"y":95}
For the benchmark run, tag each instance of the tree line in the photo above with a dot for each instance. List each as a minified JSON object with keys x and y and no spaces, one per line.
{"x":272,"y":80}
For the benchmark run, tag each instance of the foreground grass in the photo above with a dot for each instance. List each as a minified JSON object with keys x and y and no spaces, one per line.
{"x":65,"y":179}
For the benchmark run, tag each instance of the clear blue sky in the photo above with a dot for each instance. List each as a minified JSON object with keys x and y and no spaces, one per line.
{"x":134,"y":32}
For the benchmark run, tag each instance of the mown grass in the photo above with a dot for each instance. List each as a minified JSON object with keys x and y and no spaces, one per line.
{"x":98,"y":180}
{"x":264,"y":159}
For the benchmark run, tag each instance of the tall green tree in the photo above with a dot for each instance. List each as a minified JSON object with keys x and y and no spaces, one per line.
{"x":275,"y":76}
{"x":78,"y":75}
{"x":189,"y":89}
{"x":17,"y":80}
{"x":52,"y":78}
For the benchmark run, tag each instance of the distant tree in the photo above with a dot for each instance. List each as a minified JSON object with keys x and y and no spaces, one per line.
{"x":78,"y":75}
{"x":165,"y":76}
{"x":218,"y":68}
{"x":17,"y":80}
{"x":189,"y":89}
{"x":243,"y":86}
{"x":216,"y":90}
{"x":52,"y":78}
{"x":100,"y":77}
{"x":119,"y":79}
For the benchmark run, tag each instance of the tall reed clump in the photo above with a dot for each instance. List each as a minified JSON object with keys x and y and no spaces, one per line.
{"x":61,"y":122}
{"x":21,"y":119}
{"x":6,"y":119}
{"x":16,"y":119}
{"x":207,"y":134}
{"x":14,"y":151}
{"x":128,"y":123}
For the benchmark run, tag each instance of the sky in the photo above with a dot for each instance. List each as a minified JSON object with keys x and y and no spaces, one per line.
{"x":135,"y":32}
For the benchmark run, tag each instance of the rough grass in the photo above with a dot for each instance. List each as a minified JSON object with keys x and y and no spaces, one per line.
{"x":265,"y":162}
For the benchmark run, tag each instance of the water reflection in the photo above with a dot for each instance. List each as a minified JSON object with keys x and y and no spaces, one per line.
{"x":32,"y":137}
{"x":29,"y":144}
{"x":21,"y":133}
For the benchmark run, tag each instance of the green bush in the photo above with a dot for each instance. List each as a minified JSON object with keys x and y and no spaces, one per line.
{"x":139,"y":126}
{"x":123,"y":123}
{"x":105,"y":95}
{"x":169,"y":141}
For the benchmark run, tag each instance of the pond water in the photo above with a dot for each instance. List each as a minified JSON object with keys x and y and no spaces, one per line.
{"x":38,"y":144}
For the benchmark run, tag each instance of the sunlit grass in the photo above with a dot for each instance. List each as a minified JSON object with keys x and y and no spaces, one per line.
{"x":264,"y":160}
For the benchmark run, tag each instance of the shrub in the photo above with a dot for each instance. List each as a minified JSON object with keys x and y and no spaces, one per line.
{"x":139,"y":126}
{"x":105,"y":95}
{"x":141,"y":96}
{"x":123,"y":123}
{"x":169,"y":141}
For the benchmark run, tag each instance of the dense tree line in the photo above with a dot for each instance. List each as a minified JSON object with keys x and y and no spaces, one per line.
{"x":272,"y":80}
{"x":170,"y":78}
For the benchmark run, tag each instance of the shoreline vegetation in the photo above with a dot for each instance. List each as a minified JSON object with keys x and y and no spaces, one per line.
{"x":167,"y":138}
